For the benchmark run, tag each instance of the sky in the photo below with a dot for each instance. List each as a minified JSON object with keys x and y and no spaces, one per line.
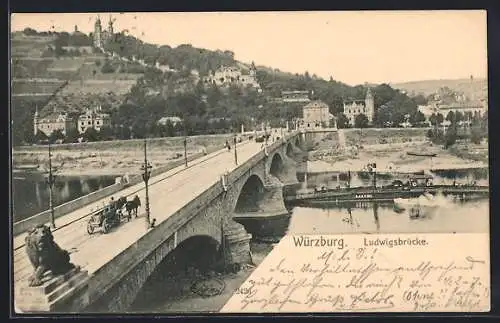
{"x":351,"y":46}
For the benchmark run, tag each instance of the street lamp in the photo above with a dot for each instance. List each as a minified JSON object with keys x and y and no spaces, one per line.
{"x":185,"y":141}
{"x":51,"y":178}
{"x":185,"y":152}
{"x":235,"y":153}
{"x":146,"y":169}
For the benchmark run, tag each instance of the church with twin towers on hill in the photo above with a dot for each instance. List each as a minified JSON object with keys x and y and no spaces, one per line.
{"x":101,"y":36}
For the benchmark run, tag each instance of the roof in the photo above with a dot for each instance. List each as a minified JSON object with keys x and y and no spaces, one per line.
{"x":53,"y":117}
{"x":316,"y":104}
{"x":294,"y":92}
{"x":164,"y":119}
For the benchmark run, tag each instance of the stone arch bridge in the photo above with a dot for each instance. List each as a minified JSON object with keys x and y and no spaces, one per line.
{"x":254,"y":188}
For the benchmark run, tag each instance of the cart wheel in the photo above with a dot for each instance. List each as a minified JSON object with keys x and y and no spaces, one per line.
{"x":90,"y":228}
{"x":105,"y":226}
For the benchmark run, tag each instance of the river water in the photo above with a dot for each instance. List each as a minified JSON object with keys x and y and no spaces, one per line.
{"x":30,"y":192}
{"x":367,"y":217}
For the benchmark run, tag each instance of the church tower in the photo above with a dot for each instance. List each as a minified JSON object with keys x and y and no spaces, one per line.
{"x":253,"y":70}
{"x":369,"y":105}
{"x":98,"y":33}
{"x":110,"y":27}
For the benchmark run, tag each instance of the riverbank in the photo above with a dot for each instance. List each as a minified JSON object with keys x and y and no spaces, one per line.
{"x":394,"y":157}
{"x":178,"y":295}
{"x":114,"y":158}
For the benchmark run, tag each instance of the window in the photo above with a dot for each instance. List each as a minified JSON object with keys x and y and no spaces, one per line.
{"x":89,"y":123}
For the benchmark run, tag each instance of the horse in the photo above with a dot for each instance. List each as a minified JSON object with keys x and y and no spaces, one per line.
{"x":121,"y":202}
{"x":133,"y":205}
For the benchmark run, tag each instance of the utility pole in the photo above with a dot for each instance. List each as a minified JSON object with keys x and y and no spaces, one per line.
{"x":50,"y":182}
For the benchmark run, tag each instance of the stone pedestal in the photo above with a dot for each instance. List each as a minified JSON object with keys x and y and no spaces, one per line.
{"x":64,"y":294}
{"x":237,"y":243}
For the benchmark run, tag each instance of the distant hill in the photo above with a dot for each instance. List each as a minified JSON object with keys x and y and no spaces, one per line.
{"x":477,"y":87}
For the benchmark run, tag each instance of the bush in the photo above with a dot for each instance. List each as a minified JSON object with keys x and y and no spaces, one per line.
{"x":107,"y":68}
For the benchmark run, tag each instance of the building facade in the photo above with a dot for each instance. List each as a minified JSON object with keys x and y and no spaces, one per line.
{"x":316,"y":114}
{"x":231,"y":75}
{"x":295,"y":96}
{"x":353,"y":108}
{"x":480,"y":107}
{"x":52,"y":122}
{"x":93,"y":119}
{"x":173,"y":120}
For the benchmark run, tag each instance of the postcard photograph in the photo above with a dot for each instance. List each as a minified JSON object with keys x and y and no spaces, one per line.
{"x":249,"y":162}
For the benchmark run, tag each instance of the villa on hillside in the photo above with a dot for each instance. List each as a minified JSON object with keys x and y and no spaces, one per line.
{"x":231,"y":75}
{"x":53,"y":122}
{"x":93,"y":119}
{"x":173,"y":120}
{"x":353,"y":108}
{"x":463,"y":106}
{"x":295,"y":96}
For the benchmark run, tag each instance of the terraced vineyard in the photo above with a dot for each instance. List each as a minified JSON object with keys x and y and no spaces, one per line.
{"x":25,"y":87}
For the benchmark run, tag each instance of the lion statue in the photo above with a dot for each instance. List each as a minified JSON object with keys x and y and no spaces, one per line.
{"x":44,"y":254}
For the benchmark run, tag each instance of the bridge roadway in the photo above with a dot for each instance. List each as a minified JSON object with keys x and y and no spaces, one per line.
{"x":168,"y":192}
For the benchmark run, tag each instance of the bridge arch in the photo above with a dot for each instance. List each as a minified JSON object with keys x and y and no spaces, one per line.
{"x":277,"y":167}
{"x":250,"y":195}
{"x":289,"y":149}
{"x":198,"y":252}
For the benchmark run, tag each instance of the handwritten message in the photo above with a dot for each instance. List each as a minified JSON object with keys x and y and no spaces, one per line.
{"x":370,"y":273}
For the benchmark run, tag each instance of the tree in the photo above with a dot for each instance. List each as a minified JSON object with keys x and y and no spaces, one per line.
{"x":417,"y":118}
{"x":451,"y":117}
{"x":56,"y":135}
{"x":106,"y":133}
{"x":419,"y":99}
{"x":41,"y":137}
{"x":476,"y":135}
{"x":30,"y":32}
{"x":451,"y":136}
{"x":361,"y":121}
{"x":439,"y":118}
{"x":107,"y":67}
{"x":383,"y":115}
{"x":72,"y":135}
{"x":91,"y":135}
{"x":342,"y":121}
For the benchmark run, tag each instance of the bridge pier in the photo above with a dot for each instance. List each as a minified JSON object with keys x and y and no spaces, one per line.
{"x":273,"y":201}
{"x":289,"y":176}
{"x":236,"y":243}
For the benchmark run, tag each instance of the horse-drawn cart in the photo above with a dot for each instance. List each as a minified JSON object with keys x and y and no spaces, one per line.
{"x":105,"y":219}
{"x":112,"y":214}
